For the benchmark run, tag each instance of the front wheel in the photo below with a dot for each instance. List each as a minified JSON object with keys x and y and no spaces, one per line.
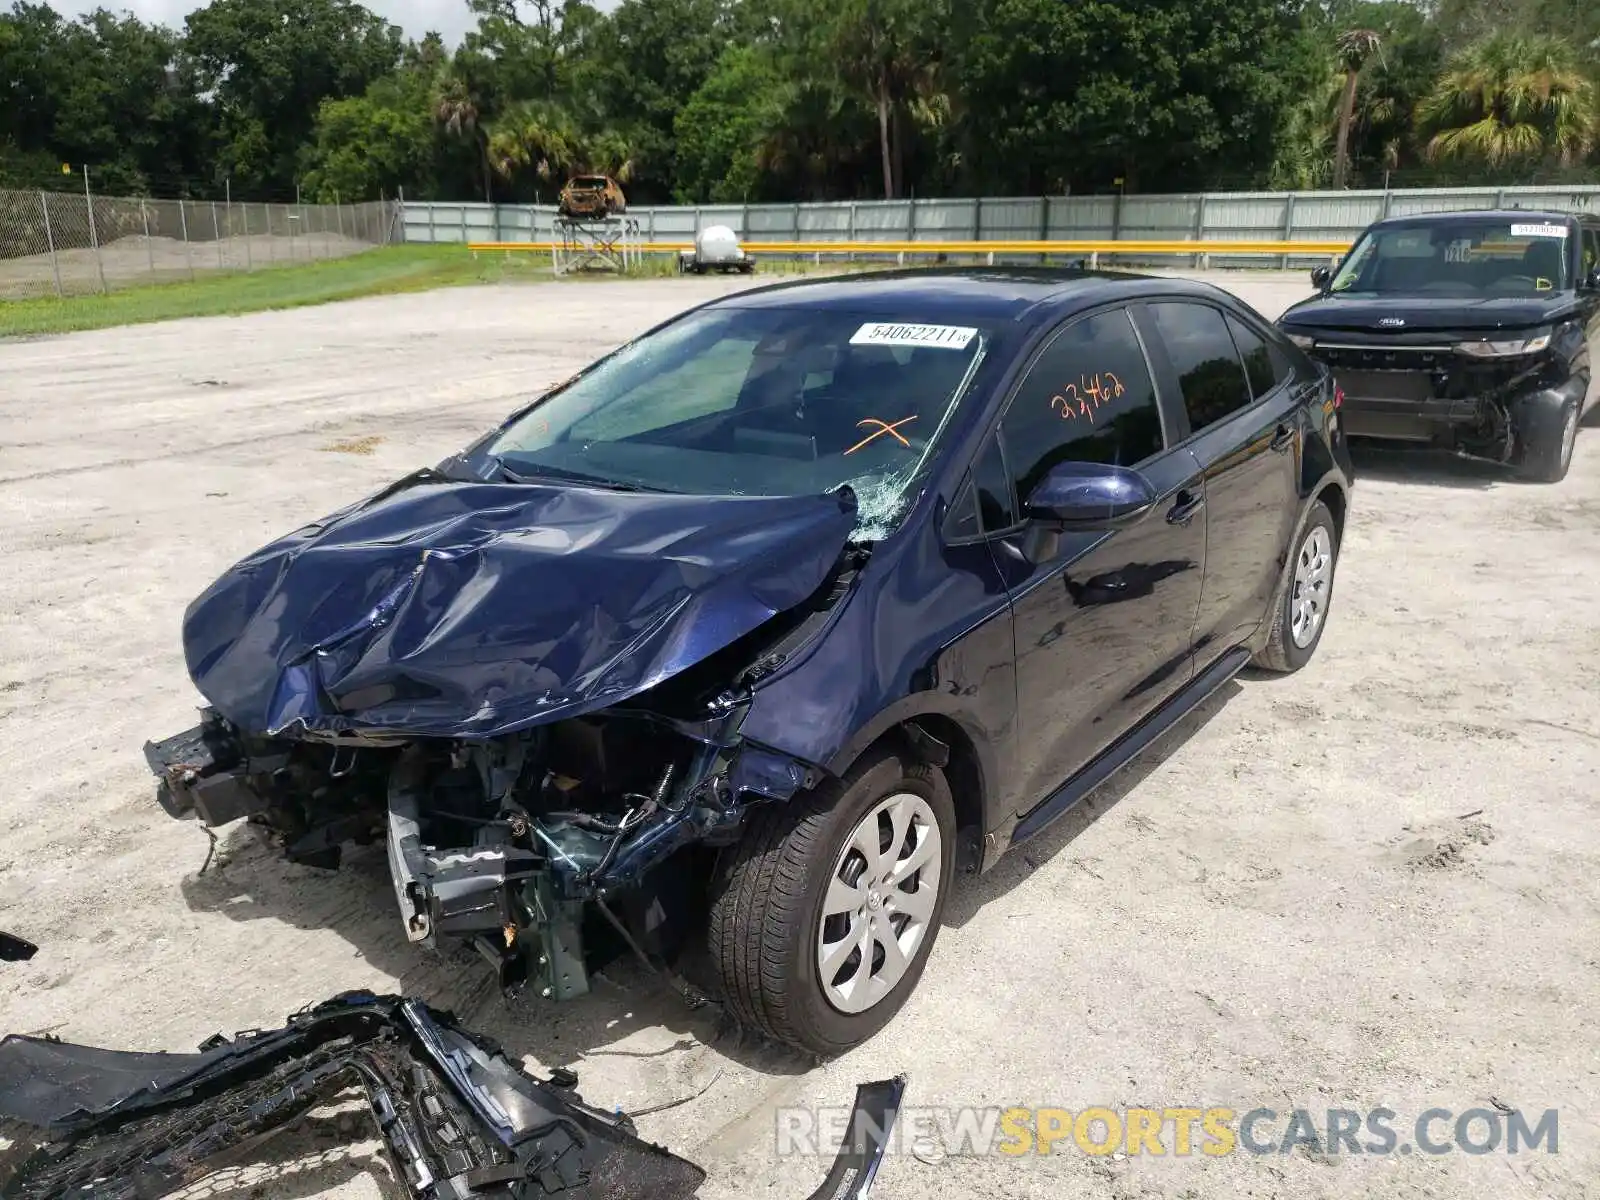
{"x":1547,"y":453}
{"x":824,"y":914}
{"x":1300,"y":610}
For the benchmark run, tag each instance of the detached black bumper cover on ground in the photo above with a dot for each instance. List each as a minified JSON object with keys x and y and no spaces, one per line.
{"x":457,"y":1117}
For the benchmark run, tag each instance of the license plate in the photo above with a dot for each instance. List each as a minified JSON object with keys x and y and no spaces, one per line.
{"x":1386,"y":385}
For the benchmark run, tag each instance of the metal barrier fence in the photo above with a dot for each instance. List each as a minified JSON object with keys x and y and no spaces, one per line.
{"x":64,"y":243}
{"x":1320,"y":217}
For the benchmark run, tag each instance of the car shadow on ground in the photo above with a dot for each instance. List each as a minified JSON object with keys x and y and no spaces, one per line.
{"x":972,"y":892}
{"x":250,"y":881}
{"x":1429,"y":468}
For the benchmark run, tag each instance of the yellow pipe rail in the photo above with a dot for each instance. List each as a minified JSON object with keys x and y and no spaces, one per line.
{"x":1317,"y":249}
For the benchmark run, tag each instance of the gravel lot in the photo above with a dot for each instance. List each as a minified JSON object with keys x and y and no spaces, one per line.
{"x":1376,"y":883}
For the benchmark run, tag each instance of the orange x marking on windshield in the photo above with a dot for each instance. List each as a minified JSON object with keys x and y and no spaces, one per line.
{"x":883,"y":428}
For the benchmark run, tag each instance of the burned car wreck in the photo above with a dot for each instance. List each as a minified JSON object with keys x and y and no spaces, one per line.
{"x":531,"y":729}
{"x":456,"y":1117}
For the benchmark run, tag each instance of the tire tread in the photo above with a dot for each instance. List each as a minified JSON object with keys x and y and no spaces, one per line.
{"x":760,"y":898}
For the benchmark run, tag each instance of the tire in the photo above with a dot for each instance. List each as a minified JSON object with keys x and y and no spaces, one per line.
{"x":1547,"y":454}
{"x":767,"y":935}
{"x":1289,"y":644}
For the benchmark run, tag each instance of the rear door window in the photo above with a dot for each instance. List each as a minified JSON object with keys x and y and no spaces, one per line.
{"x":1210,"y":374}
{"x":1259,"y":367}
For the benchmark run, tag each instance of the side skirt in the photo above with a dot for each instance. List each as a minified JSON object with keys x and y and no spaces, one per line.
{"x":1123,"y":751}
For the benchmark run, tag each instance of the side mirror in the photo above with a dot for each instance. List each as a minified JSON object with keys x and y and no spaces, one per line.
{"x":1591,"y":281}
{"x":1321,"y":276}
{"x":1090,"y":497}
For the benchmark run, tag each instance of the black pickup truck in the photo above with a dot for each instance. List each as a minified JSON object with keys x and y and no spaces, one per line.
{"x":1468,"y":331}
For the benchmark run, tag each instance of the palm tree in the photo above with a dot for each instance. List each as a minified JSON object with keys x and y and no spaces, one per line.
{"x":1304,"y":156}
{"x":533,"y":134}
{"x":607,"y":153}
{"x":882,"y":56}
{"x":1355,"y":47}
{"x":1511,"y":100}
{"x":456,"y":110}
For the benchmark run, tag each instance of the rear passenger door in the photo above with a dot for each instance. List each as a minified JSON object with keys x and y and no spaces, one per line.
{"x":1241,"y":405}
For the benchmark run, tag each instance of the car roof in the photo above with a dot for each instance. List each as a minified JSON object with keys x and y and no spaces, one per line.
{"x":1476,"y":214}
{"x":1022,"y":294}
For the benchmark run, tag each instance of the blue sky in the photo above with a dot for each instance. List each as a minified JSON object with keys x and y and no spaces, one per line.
{"x":416,"y":17}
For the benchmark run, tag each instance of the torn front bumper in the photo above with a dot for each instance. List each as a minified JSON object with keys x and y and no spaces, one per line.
{"x":458,"y":1119}
{"x":518,"y":891}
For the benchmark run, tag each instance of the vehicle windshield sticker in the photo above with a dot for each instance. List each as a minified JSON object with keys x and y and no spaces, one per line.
{"x":936,"y":337}
{"x":1555,"y":231}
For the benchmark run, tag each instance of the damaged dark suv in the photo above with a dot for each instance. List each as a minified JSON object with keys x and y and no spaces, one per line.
{"x":735,"y":647}
{"x":1466,"y":331}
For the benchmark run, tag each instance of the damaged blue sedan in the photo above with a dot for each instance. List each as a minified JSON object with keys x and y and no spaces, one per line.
{"x":732,"y":650}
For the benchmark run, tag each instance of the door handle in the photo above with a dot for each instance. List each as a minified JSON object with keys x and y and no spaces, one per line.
{"x":1184,"y":510}
{"x":1283,"y":439}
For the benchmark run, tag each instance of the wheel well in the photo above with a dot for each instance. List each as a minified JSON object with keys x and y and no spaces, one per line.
{"x":963,"y":772}
{"x":1333,"y":497}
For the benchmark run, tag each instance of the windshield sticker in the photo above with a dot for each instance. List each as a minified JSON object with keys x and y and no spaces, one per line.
{"x":883,"y":428}
{"x":1546,"y":231}
{"x":933,"y":337}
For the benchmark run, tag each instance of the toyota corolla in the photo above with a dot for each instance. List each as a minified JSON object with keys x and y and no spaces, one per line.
{"x":734,"y":649}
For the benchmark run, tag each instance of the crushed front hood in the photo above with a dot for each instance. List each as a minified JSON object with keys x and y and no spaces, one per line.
{"x":469,"y":609}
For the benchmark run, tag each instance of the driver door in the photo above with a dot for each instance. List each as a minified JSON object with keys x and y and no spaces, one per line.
{"x":1104,"y":622}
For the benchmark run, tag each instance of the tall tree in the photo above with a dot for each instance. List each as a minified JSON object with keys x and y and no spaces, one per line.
{"x":1514,"y":101}
{"x":1355,"y":48}
{"x":886,"y":51}
{"x":271,"y":63}
{"x":1078,"y":95}
{"x":382,"y":142}
{"x":641,"y":67}
{"x":456,"y":109}
{"x":109,"y":92}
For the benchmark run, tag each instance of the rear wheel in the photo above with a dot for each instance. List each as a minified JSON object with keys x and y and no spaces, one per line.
{"x":1304,"y":596}
{"x":823,"y":916}
{"x":1547,"y":454}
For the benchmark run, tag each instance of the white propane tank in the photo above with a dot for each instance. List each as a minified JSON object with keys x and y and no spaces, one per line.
{"x":717,"y":244}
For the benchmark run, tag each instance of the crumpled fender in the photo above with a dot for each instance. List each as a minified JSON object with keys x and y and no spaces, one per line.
{"x":470,"y":609}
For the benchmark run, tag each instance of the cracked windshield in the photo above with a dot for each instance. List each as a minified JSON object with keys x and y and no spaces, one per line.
{"x":760,"y":401}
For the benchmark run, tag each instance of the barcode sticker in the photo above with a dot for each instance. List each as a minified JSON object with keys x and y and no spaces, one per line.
{"x":1555,"y":231}
{"x":891,"y":333}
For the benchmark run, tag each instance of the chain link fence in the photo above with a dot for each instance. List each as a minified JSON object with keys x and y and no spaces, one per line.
{"x":65,"y":244}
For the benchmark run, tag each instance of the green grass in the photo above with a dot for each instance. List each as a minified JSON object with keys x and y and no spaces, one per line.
{"x":387,"y":270}
{"x":382,"y":271}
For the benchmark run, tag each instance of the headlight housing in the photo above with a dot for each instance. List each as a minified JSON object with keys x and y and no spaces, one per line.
{"x":1301,"y":340}
{"x":1506,"y":348}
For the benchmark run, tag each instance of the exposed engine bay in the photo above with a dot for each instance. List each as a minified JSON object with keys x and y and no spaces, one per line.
{"x":532,"y":695}
{"x":501,"y":842}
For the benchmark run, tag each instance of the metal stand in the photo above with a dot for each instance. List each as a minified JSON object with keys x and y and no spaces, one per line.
{"x":603,"y":244}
